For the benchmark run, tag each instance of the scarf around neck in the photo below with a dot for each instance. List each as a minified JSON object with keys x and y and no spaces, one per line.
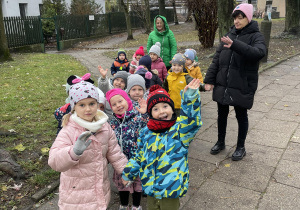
{"x":91,"y":126}
{"x":161,"y":126}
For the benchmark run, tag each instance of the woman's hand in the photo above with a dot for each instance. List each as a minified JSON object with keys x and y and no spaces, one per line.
{"x":194,"y":84}
{"x":102,"y":72}
{"x":208,"y":87}
{"x":143,"y":106}
{"x":227,"y":41}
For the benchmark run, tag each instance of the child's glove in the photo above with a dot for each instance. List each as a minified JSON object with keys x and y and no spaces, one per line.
{"x":82,"y":143}
{"x":202,"y":87}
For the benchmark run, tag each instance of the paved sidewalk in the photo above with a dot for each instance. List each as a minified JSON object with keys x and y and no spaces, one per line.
{"x":268,"y":177}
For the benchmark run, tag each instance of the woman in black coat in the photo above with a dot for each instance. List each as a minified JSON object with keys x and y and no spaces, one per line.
{"x":233,"y":75}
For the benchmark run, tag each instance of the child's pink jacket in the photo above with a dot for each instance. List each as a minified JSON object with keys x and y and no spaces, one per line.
{"x":133,"y":62}
{"x":84,"y":184}
{"x":161,"y":68}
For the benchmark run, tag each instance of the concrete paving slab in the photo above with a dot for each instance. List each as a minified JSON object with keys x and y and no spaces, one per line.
{"x":289,"y":82}
{"x":246,"y":174}
{"x":272,"y":92}
{"x":296,"y":136}
{"x":291,"y":98}
{"x":292,"y":152}
{"x":283,"y":105}
{"x":263,"y":155}
{"x":212,"y":105}
{"x":211,"y":135}
{"x":207,"y":123}
{"x":263,"y":82}
{"x":205,"y":98}
{"x":270,"y":100}
{"x":261,"y":107}
{"x":287,"y":172}
{"x":214,"y":194}
{"x":199,"y":150}
{"x":276,"y":125}
{"x":268,"y":138}
{"x":209,"y":113}
{"x":276,"y":197}
{"x":286,"y":115}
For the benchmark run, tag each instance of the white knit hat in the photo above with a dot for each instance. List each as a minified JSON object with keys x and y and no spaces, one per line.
{"x":155,"y":49}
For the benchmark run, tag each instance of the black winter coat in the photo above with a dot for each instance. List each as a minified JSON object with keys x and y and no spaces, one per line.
{"x":234,"y":70}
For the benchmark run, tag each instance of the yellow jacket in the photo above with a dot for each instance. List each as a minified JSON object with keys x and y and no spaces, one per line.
{"x":195,"y":71}
{"x":174,"y":83}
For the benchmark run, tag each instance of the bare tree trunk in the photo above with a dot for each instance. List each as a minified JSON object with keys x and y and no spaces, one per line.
{"x":292,"y":18}
{"x":147,"y":17}
{"x":225,"y":8}
{"x":4,"y":51}
{"x":128,"y":20}
{"x":175,"y":13}
{"x":162,"y":9}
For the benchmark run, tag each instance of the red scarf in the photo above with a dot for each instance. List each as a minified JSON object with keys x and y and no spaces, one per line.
{"x":161,"y":126}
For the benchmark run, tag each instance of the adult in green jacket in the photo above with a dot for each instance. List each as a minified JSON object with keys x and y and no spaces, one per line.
{"x":165,"y":36}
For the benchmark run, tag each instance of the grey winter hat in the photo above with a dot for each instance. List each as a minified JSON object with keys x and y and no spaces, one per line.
{"x":123,"y":75}
{"x":135,"y":79}
{"x":155,"y":49}
{"x":178,"y":59}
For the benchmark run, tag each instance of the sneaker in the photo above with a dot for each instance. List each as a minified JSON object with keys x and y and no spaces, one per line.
{"x":123,"y":207}
{"x":136,"y":208}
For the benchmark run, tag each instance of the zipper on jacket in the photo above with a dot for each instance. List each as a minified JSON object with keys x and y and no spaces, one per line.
{"x":228,"y":72}
{"x":162,"y":48}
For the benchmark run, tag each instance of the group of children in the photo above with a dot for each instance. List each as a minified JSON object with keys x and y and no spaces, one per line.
{"x":142,"y":129}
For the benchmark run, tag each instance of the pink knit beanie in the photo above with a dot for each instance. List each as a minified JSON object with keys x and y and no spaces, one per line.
{"x":118,"y":91}
{"x":247,"y":9}
{"x":140,"y":51}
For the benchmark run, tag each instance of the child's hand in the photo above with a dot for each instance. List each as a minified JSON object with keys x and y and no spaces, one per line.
{"x":102,"y":72}
{"x":208,"y":87}
{"x":124,"y":182}
{"x":194,"y":84}
{"x":143,"y":106}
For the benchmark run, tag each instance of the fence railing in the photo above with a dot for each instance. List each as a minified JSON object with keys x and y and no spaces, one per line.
{"x":23,"y":31}
{"x":26,"y":31}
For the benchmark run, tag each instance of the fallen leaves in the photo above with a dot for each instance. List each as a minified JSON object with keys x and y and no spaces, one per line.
{"x":20,"y":147}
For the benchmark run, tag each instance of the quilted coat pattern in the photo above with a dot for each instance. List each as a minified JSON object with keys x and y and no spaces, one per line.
{"x":84,"y":184}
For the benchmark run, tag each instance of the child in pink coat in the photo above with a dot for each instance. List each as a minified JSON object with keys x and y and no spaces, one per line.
{"x":82,"y":150}
{"x":157,"y":63}
{"x":135,"y":59}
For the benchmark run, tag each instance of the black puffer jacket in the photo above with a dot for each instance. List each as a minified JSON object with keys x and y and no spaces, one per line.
{"x":234,"y":70}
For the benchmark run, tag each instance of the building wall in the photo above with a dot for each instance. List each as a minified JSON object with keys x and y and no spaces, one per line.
{"x":280,"y":4}
{"x":11,"y":7}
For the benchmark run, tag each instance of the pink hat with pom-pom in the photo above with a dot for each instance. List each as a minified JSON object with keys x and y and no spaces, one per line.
{"x":140,"y":51}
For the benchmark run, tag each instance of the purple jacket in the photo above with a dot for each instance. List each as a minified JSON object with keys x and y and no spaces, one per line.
{"x":161,"y":68}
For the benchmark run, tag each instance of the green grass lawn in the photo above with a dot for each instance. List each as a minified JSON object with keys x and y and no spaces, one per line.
{"x":31,"y":89}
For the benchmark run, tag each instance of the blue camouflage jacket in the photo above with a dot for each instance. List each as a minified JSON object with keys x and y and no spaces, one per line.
{"x":161,"y":160}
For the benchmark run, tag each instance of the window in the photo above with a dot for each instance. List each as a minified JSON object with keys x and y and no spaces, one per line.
{"x":23,"y":10}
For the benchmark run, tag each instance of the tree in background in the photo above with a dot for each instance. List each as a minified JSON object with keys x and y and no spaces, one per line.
{"x":50,"y":9}
{"x":292,"y":17}
{"x":162,"y":7}
{"x":175,"y":12}
{"x":4,"y":51}
{"x":128,"y":19}
{"x":225,"y":21}
{"x":85,"y":7}
{"x":143,"y":12}
{"x":205,"y":15}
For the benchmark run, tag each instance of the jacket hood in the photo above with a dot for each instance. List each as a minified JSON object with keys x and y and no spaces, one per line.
{"x":252,"y":27}
{"x":166,"y":25}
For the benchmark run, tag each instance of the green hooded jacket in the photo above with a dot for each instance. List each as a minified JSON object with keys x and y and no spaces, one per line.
{"x":167,"y":40}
